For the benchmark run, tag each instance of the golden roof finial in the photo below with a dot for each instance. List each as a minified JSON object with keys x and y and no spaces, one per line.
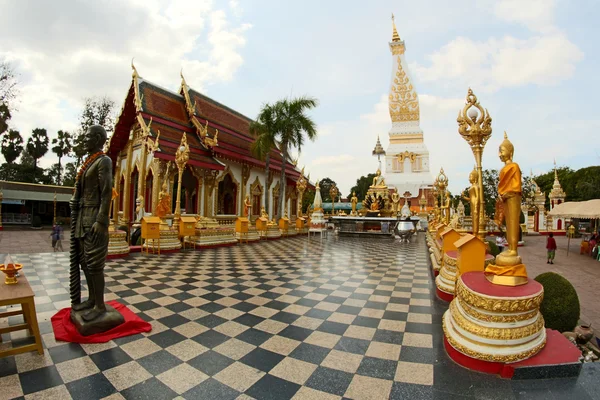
{"x":395,"y":36}
{"x":134,"y":73}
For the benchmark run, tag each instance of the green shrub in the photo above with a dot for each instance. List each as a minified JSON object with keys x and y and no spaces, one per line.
{"x":560,"y":306}
{"x":494,"y":250}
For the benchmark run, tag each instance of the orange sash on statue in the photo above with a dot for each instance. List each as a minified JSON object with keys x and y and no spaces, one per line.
{"x":510,"y":179}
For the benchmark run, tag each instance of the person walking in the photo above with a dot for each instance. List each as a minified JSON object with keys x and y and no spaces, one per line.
{"x":551,"y":248}
{"x":57,"y":238}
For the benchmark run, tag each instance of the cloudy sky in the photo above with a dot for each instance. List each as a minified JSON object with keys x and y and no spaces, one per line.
{"x":533,"y":64}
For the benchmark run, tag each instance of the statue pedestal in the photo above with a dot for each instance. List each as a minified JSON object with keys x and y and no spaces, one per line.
{"x":169,"y":242}
{"x":105,"y":322}
{"x":445,"y":282}
{"x":117,"y":244}
{"x":489,"y":323}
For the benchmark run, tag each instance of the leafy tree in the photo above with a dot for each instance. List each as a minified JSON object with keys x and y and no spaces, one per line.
{"x":62,"y":147}
{"x":264,"y":132}
{"x":53,"y":173}
{"x":362,"y":186}
{"x":70,"y":174}
{"x":8,"y":92}
{"x":326,"y":184}
{"x":96,"y":111}
{"x":308,"y":199}
{"x":37,"y":147}
{"x":12,"y":146}
{"x":292,"y":125}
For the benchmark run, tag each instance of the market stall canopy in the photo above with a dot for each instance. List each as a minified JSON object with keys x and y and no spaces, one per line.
{"x":577,"y":209}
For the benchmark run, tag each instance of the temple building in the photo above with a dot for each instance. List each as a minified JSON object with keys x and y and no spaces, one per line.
{"x":220,"y":170}
{"x":407,"y":157}
{"x":556,"y":197}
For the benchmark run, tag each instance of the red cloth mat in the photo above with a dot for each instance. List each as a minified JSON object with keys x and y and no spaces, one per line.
{"x":65,"y":330}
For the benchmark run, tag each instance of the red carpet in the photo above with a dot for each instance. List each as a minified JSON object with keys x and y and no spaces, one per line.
{"x":65,"y":330}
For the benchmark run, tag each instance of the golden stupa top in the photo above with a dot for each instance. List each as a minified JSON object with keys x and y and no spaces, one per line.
{"x":395,"y":36}
{"x":557,"y":191}
{"x":378,"y":150}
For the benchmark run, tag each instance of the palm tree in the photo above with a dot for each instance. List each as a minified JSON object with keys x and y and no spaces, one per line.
{"x":37,"y":146}
{"x":12,"y":146}
{"x":264,"y":131}
{"x":62,"y":147}
{"x":292,"y":124}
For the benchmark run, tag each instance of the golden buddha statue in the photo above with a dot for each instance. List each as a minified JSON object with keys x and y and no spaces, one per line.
{"x":247,"y":206}
{"x":509,"y":269}
{"x":395,"y":202}
{"x":474,"y":199}
{"x":263,"y":213}
{"x":378,"y":180}
{"x":354,"y":201}
{"x":164,"y":202}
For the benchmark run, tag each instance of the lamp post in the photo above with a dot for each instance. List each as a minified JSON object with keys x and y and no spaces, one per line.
{"x":475,"y":126}
{"x":333,"y":192}
{"x":54,"y":220}
{"x":181,"y":158}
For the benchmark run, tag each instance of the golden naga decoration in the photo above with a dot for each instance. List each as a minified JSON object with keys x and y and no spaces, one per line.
{"x":183,"y":152}
{"x":509,"y":269}
{"x":137,"y":98}
{"x":211,"y":142}
{"x":404,"y":102}
{"x":475,"y":126}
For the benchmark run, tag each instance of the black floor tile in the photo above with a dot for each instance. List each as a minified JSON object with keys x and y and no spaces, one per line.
{"x":333,"y":327}
{"x":167,"y":338}
{"x":66,"y":352}
{"x":110,"y":358}
{"x":366,"y":321}
{"x":40,"y":379}
{"x":285,"y":317}
{"x":417,"y":355}
{"x":385,"y":336}
{"x":211,"y":389}
{"x":401,"y":390}
{"x":210,"y":362}
{"x":159,"y":362}
{"x":377,"y":368}
{"x":262,"y":359}
{"x":94,"y":387}
{"x":330,"y":381}
{"x":211,"y":321}
{"x":8,"y":366}
{"x":149,"y":389}
{"x":254,"y":336}
{"x":249,"y":320}
{"x":272,"y":388}
{"x":351,"y":345}
{"x":174,"y":320}
{"x":296,"y":333}
{"x":310,"y":353}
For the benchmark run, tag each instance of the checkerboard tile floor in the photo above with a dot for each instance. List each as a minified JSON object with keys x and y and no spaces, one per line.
{"x":342,"y":318}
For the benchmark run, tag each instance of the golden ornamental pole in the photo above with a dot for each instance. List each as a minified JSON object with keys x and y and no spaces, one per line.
{"x":333,"y":192}
{"x":475,"y":126}
{"x":54,"y":220}
{"x":181,"y":158}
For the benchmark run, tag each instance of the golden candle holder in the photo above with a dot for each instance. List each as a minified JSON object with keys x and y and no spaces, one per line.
{"x":10,"y":271}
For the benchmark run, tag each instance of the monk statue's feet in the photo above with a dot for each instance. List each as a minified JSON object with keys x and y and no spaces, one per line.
{"x":93,"y":313}
{"x":83,"y":306}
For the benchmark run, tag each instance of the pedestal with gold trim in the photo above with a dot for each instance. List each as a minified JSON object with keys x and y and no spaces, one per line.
{"x":494,"y":324}
{"x":117,"y":244}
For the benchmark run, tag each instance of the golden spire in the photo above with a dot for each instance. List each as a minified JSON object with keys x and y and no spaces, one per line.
{"x":395,"y":36}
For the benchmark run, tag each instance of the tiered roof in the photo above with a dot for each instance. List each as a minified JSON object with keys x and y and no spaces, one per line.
{"x":159,"y":109}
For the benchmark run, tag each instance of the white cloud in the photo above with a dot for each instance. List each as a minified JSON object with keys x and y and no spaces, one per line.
{"x":537,"y":15}
{"x":69,"y":51}
{"x":546,"y":57}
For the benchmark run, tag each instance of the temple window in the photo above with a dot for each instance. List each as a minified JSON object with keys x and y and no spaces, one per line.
{"x":121,"y":193}
{"x":133,"y":190}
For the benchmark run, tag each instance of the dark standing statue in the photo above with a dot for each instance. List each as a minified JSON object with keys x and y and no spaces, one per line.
{"x":90,"y":205}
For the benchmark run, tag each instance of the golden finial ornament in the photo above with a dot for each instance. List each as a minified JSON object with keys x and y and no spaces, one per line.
{"x":395,"y":36}
{"x":134,"y":72}
{"x":475,"y":126}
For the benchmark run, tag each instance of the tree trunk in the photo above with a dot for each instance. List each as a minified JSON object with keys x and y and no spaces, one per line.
{"x":59,"y":171}
{"x":282,"y":182}
{"x":267,"y":184}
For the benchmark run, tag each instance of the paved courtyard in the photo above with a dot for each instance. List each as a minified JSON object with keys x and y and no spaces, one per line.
{"x":342,"y":318}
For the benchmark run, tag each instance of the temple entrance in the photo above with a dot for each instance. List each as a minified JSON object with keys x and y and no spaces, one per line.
{"x":133,"y":192}
{"x":189,"y":193}
{"x":148,"y":192}
{"x":121,"y":193}
{"x":559,"y":224}
{"x":227,"y":200}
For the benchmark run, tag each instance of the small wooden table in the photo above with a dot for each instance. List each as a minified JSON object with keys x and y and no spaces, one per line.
{"x":20,"y":293}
